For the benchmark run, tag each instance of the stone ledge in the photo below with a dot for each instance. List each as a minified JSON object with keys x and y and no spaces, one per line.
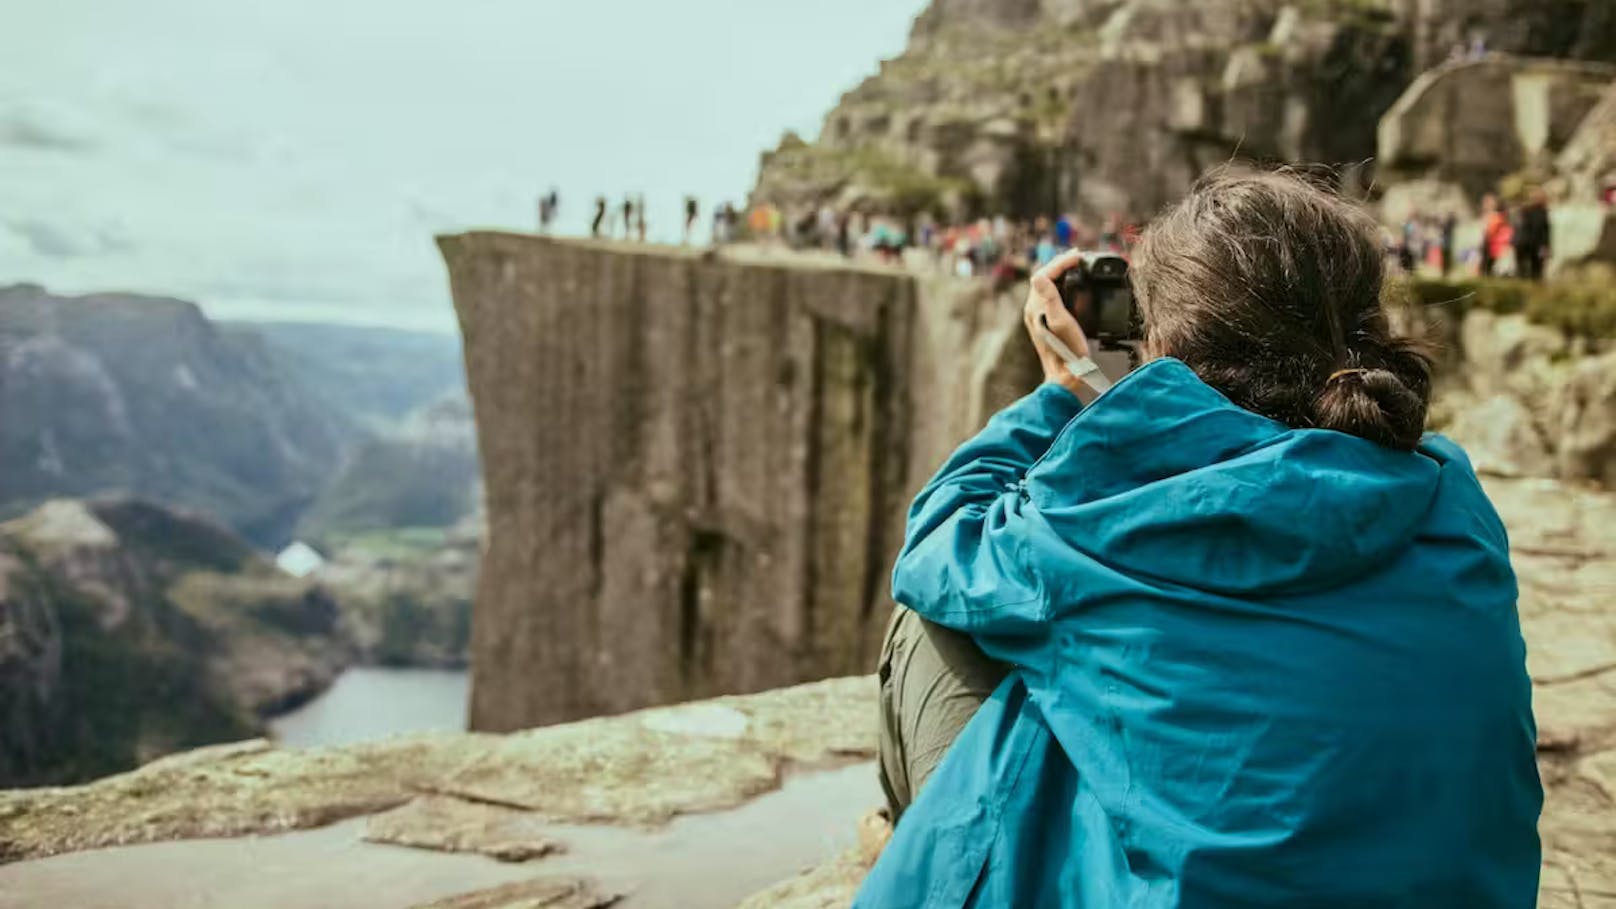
{"x":638,"y":768}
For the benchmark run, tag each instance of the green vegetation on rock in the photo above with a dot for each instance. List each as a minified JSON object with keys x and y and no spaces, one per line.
{"x":1583,"y":307}
{"x":128,"y":631}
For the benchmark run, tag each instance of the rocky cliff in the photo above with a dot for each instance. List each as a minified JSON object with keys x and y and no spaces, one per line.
{"x":128,"y":631}
{"x":1029,"y":106}
{"x":697,"y":467}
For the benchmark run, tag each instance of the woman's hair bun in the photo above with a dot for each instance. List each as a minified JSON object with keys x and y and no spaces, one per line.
{"x":1374,"y":404}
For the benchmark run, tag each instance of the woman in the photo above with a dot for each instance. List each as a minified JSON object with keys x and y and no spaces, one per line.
{"x":1497,"y":236}
{"x":1247,"y":637}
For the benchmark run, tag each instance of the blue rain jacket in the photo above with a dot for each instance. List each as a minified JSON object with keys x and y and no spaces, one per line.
{"x":1255,"y":666}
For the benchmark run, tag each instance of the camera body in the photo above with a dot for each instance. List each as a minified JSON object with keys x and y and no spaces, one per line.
{"x":1109,"y":318}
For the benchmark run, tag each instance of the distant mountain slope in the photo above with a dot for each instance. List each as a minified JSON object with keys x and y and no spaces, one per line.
{"x":377,"y":375}
{"x":422,"y":474}
{"x":144,"y":395}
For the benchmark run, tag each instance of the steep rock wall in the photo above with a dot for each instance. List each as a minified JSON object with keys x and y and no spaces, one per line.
{"x":1028,"y":106}
{"x":697,"y":468}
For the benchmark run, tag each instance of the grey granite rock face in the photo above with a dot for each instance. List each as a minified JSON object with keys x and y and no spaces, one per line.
{"x":1096,"y":106}
{"x":1579,"y":29}
{"x":697,"y":468}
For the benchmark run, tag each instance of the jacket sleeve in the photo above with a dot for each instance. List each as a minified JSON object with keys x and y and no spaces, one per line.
{"x":961,"y":564}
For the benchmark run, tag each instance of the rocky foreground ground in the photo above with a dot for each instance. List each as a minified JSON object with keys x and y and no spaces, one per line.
{"x":477,"y":793}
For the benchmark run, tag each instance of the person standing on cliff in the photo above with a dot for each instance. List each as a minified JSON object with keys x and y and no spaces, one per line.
{"x":627,"y":210}
{"x":1063,"y":232}
{"x":546,"y":211}
{"x":691,"y":212}
{"x":1111,"y":236}
{"x":1411,"y":247}
{"x":600,"y":217}
{"x":1449,"y":229}
{"x":639,"y":218}
{"x":1495,"y":234}
{"x":1533,"y":236}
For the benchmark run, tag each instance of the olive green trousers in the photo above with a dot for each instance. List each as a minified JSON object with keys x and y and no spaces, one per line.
{"x":932,"y":681}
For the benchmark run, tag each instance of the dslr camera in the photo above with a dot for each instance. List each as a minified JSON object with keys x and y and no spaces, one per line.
{"x":1108,"y":317}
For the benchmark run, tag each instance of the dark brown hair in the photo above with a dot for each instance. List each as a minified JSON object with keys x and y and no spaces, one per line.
{"x":1269,"y":287}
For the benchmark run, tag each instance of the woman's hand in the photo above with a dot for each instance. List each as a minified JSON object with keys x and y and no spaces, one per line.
{"x":1044,"y":307}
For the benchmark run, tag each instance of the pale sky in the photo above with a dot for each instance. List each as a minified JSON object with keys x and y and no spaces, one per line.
{"x":292,"y":159}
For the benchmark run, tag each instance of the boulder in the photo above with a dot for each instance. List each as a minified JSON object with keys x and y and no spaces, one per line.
{"x":1589,"y":159}
{"x":1501,"y":438}
{"x":1584,"y":237}
{"x":1586,"y":433}
{"x":1510,"y":354}
{"x":1472,"y":123}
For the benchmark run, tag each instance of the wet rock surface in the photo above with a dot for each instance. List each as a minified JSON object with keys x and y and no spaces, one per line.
{"x":1563,"y":540}
{"x":622,"y":770}
{"x":828,"y":886}
{"x":542,"y":894}
{"x":456,"y":825}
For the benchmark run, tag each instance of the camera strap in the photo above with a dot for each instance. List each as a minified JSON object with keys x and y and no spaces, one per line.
{"x":1086,"y":370}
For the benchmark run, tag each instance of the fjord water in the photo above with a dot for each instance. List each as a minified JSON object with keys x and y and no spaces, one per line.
{"x":368,"y":703}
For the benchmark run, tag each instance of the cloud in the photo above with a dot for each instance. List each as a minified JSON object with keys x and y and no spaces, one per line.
{"x":43,"y":129}
{"x":56,"y":241}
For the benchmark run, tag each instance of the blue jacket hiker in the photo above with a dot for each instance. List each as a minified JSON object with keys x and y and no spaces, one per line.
{"x":1252,"y":666}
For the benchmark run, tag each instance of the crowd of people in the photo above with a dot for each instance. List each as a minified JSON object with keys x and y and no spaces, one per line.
{"x":1518,"y":243}
{"x":1002,"y":247}
{"x":999,"y":246}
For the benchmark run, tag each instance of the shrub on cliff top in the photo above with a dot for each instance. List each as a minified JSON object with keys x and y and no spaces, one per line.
{"x":1580,"y":308}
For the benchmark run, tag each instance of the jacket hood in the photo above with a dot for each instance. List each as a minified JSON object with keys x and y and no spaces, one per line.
{"x":1165,"y":479}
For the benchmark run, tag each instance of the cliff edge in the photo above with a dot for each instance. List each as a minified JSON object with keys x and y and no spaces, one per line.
{"x":697,"y":464}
